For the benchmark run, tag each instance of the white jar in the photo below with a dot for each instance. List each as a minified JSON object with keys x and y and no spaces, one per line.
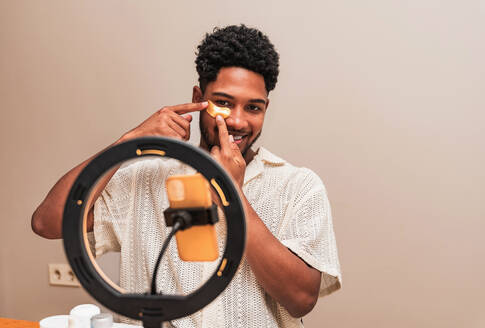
{"x":82,"y":315}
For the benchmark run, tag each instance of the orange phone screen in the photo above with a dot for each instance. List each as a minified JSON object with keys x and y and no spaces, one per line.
{"x":197,"y":243}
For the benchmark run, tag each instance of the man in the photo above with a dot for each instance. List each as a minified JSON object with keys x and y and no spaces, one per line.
{"x":290,"y":257}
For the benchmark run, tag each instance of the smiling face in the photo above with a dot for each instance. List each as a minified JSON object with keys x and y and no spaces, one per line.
{"x":244,"y":93}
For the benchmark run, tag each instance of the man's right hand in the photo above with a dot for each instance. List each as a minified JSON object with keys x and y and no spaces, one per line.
{"x":170,"y":121}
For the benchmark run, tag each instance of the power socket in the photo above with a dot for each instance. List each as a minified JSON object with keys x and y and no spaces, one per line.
{"x":62,"y":275}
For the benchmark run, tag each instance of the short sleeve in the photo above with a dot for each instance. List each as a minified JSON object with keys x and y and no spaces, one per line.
{"x":309,"y":233}
{"x":112,"y":210}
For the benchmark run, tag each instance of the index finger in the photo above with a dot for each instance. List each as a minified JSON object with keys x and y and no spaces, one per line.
{"x":189,"y":107}
{"x":223,"y":134}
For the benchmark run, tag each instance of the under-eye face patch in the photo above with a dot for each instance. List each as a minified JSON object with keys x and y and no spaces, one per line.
{"x":214,"y":110}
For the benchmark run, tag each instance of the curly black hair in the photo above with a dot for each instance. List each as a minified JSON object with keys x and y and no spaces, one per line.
{"x":238,"y":46}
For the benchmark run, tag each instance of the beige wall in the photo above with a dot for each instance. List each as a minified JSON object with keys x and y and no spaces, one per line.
{"x":383,"y":99}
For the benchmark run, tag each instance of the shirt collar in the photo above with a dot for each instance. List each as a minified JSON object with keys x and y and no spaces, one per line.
{"x":270,"y":158}
{"x":262,"y":158}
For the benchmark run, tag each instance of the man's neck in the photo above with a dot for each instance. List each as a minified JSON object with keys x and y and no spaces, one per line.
{"x":248,"y":157}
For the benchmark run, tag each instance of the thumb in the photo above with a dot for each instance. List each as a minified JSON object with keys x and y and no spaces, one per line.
{"x":215,"y":150}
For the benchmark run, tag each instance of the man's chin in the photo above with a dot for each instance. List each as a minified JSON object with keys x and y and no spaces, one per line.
{"x":247,"y":150}
{"x":244,"y":146}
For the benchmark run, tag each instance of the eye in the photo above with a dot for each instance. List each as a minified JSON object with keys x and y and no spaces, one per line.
{"x":222,"y":103}
{"x":254,"y":108}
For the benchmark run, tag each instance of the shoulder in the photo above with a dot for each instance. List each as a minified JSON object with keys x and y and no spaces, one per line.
{"x":285,"y":171}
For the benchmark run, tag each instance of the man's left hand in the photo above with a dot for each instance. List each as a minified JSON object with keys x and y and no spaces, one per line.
{"x":228,"y":154}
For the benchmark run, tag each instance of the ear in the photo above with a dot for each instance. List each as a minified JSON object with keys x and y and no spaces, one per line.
{"x":267,"y":104}
{"x":197,"y":95}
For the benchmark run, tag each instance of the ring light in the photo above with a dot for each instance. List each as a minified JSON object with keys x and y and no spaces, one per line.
{"x":151,"y":309}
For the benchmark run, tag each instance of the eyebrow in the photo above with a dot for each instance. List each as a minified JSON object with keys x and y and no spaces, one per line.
{"x":223,"y":94}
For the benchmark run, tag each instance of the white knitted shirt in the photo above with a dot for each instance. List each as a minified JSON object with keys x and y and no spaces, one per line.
{"x":291,"y":201}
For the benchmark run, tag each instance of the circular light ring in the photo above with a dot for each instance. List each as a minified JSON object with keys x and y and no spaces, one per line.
{"x":151,"y":309}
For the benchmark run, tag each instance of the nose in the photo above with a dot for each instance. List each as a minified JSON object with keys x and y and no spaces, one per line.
{"x":237,"y":120}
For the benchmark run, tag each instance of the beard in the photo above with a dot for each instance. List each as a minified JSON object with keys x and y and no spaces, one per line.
{"x":204,"y":133}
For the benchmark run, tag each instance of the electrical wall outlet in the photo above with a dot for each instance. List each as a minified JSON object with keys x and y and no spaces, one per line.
{"x":62,"y":275}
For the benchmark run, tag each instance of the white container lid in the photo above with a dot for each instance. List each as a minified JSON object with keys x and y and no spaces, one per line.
{"x":85,"y":310}
{"x":55,"y":321}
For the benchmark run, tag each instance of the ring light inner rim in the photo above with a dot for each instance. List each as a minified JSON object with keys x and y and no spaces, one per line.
{"x":87,"y":205}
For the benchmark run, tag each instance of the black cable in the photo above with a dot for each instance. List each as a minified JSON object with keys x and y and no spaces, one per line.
{"x":178,"y":224}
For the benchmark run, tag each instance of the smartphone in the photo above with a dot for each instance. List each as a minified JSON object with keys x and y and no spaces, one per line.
{"x":197,"y":243}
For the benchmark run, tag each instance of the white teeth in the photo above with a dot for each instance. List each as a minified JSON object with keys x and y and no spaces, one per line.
{"x":237,"y":137}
